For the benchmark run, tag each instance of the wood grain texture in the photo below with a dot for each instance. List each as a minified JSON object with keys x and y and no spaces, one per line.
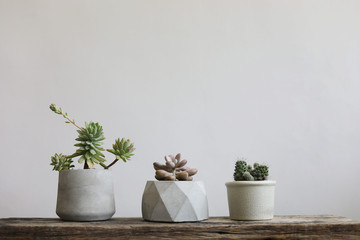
{"x":281,"y":227}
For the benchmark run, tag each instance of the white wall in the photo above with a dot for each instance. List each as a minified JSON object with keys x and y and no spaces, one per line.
{"x":277,"y":82}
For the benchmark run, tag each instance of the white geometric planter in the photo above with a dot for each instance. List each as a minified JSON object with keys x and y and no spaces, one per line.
{"x":251,"y":200}
{"x":174,"y":201}
{"x":85,"y":195}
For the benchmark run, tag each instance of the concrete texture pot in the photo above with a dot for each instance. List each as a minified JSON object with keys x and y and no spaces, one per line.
{"x":85,"y":195}
{"x":251,"y":200}
{"x":175,"y":201}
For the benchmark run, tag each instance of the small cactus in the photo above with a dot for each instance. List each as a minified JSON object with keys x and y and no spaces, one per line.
{"x":245,"y":172}
{"x":240,"y":169}
{"x":260,"y":172}
{"x":174,"y":169}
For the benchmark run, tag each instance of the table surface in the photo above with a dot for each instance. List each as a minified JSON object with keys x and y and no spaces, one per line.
{"x":281,"y":227}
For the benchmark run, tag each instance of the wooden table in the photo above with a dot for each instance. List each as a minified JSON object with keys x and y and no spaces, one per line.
{"x":281,"y":227}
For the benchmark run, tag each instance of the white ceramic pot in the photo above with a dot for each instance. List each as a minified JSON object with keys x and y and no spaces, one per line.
{"x":251,"y":200}
{"x":85,"y":195}
{"x":175,"y":201}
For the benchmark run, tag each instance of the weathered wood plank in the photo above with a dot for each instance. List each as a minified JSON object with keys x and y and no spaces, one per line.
{"x":281,"y":227}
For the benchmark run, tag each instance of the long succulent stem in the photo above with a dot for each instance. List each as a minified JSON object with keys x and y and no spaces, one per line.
{"x":113,"y":162}
{"x":58,"y":110}
{"x":67,"y":118}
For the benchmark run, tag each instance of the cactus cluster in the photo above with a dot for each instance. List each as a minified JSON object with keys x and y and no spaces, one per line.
{"x":90,"y":146}
{"x":245,"y":172}
{"x":174,"y":169}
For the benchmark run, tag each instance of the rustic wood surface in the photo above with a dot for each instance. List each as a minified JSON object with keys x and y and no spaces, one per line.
{"x":281,"y":227}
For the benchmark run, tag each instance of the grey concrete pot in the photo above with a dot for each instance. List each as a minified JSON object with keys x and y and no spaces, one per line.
{"x":85,"y":195}
{"x":175,"y":201}
{"x":251,"y":200}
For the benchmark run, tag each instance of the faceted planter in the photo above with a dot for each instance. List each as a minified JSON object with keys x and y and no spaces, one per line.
{"x":251,"y":200}
{"x":85,"y":195}
{"x":174,"y":201}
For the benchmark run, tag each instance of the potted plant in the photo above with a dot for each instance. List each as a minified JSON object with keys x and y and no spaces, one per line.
{"x":174,"y":197}
{"x":251,"y":195}
{"x":87,"y":194}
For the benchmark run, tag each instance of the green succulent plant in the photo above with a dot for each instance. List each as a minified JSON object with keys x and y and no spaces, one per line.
{"x":122,"y":149}
{"x":61,"y":162}
{"x":90,"y":141}
{"x":245,"y":172}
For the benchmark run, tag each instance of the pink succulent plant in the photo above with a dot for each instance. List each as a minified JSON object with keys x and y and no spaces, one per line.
{"x":174,"y":169}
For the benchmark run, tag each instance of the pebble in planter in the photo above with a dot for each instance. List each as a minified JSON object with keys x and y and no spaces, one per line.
{"x":87,"y":194}
{"x":175,"y":197}
{"x":251,"y":195}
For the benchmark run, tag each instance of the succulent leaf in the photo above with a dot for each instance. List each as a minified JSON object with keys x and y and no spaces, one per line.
{"x":170,"y":164}
{"x":181,"y":163}
{"x":182,"y":176}
{"x":192,"y":171}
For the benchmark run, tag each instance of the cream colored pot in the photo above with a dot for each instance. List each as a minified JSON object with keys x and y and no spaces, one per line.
{"x":251,"y":200}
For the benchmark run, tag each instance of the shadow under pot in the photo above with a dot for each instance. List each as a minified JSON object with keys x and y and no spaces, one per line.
{"x":85,"y":195}
{"x":251,"y":200}
{"x":175,"y":201}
